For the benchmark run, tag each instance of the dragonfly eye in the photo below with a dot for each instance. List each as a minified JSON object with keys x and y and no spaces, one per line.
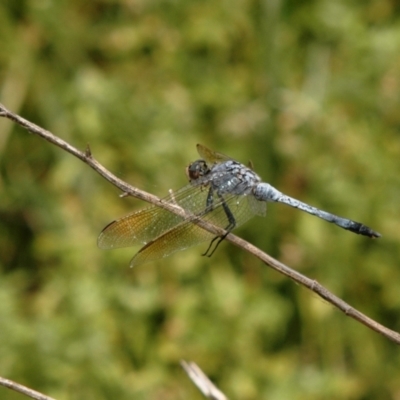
{"x":197,"y":169}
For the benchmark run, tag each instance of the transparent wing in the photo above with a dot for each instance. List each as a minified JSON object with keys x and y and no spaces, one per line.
{"x":211,"y":156}
{"x":188,"y":234}
{"x":257,"y":207}
{"x":142,"y":226}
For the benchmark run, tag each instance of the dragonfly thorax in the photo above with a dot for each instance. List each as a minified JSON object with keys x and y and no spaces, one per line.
{"x":228,"y":177}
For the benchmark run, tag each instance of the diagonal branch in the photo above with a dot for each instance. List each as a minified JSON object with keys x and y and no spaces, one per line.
{"x":17,"y":387}
{"x":127,"y":189}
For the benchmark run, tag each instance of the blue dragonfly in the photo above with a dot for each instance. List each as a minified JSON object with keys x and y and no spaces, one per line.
{"x":221,"y":191}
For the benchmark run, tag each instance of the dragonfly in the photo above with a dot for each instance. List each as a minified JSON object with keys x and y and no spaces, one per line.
{"x":221,"y":191}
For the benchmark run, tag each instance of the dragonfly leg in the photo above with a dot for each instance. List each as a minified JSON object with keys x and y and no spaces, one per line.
{"x":218,"y":239}
{"x":210,"y":199}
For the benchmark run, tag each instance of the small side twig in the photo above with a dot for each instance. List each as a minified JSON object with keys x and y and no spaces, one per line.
{"x":201,"y":380}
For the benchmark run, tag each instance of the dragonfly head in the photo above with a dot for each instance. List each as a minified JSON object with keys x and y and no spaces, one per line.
{"x":196,"y":170}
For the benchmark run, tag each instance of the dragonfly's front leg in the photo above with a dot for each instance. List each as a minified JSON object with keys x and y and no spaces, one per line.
{"x":210,"y":200}
{"x":231,"y":225}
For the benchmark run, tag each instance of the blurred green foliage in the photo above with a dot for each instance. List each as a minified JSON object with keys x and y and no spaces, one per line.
{"x":309,"y":90}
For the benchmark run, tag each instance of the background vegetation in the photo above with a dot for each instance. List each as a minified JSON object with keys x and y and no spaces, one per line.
{"x":308,"y":90}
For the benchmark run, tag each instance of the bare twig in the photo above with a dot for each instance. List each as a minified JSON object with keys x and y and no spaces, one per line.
{"x":200,"y":379}
{"x":275,"y":264}
{"x":23,"y":389}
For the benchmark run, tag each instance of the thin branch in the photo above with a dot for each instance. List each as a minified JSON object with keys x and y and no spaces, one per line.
{"x":23,"y":389}
{"x":127,"y":189}
{"x":201,"y":380}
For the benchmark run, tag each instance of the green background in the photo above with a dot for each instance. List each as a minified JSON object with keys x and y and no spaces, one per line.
{"x":308,"y":90}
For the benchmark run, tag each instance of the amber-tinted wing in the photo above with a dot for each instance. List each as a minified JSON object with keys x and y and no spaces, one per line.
{"x":187,"y":234}
{"x":142,"y":226}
